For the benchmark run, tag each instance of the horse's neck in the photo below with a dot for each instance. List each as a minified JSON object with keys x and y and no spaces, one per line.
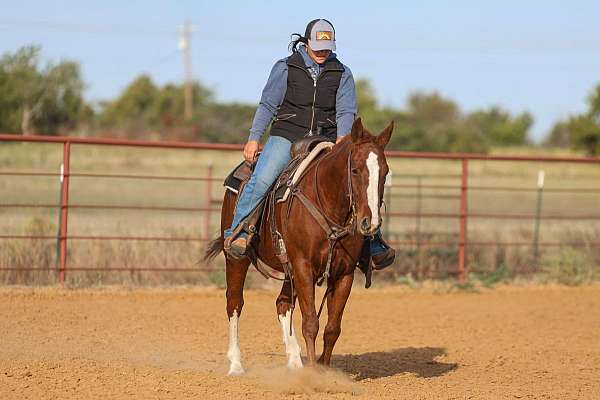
{"x":332,"y":178}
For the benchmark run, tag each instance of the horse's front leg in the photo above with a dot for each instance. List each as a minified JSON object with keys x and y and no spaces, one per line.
{"x":305,"y":288}
{"x":236,"y":275}
{"x":336,"y":301}
{"x":284,"y":304}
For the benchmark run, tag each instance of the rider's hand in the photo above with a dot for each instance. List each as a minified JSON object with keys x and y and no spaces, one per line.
{"x":339,"y":139}
{"x":250,"y":150}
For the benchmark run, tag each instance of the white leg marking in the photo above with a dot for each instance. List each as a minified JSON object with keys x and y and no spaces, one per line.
{"x":233,"y":353}
{"x":373,"y":188}
{"x":292,"y":348}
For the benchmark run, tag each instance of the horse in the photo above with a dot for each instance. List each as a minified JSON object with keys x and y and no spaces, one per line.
{"x":346,"y":186}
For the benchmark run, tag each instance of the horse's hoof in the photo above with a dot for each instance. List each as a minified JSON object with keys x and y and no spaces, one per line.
{"x":235,"y":370}
{"x":295,"y":363}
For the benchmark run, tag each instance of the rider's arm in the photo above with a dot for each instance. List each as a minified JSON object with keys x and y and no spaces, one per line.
{"x":271,"y":99}
{"x":346,"y":106}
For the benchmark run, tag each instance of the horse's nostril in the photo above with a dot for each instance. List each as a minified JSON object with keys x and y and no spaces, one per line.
{"x":365,"y":224}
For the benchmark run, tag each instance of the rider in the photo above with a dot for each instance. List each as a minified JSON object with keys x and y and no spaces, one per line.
{"x":310,"y":92}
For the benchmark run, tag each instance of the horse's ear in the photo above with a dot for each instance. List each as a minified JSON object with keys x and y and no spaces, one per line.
{"x":357,"y":130}
{"x":384,"y":137}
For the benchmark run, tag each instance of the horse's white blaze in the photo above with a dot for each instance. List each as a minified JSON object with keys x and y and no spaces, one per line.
{"x":292,"y":348}
{"x":373,"y":188}
{"x":233,"y":353}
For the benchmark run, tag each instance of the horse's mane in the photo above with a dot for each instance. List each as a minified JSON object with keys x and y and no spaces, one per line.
{"x":347,"y":141}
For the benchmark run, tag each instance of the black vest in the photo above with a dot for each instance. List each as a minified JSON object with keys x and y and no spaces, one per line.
{"x":308,"y":106}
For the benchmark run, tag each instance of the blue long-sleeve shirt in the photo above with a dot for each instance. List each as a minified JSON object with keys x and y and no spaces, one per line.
{"x":274,"y":93}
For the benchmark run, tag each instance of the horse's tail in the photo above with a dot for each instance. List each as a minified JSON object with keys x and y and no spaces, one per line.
{"x":213,"y":248}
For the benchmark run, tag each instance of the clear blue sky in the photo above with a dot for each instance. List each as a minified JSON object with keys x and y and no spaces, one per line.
{"x":539,"y":56}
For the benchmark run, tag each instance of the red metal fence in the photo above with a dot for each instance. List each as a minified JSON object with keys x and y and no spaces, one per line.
{"x":462,"y":215}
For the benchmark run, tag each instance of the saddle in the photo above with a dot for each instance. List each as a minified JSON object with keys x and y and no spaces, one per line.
{"x":303,"y":152}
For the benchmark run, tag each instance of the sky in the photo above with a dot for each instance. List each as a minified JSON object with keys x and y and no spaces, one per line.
{"x":537,"y":56}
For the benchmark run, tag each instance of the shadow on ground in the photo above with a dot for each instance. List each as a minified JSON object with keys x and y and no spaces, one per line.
{"x":418,"y":361}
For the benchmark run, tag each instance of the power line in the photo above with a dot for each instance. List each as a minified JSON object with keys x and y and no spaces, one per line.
{"x":163,"y":59}
{"x":85,"y":28}
{"x":119,"y":29}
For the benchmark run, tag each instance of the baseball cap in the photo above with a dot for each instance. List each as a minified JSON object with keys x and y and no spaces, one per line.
{"x":320,"y":34}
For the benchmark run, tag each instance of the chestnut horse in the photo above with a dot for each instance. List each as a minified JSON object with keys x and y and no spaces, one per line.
{"x":346,"y":184}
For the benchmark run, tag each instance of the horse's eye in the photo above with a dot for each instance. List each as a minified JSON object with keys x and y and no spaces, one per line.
{"x":355,"y":171}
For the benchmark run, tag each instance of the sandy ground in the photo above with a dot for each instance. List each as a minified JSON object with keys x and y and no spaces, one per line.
{"x":513,"y":342}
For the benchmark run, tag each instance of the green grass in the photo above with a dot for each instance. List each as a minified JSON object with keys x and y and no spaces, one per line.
{"x":424,"y":262}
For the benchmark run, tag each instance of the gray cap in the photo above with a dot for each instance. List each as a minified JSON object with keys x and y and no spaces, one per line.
{"x":321,"y":35}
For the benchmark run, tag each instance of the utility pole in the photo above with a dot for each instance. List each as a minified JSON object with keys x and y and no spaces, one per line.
{"x":184,"y":45}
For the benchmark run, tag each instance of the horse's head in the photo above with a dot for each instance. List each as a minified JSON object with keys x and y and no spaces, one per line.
{"x":368,"y":169}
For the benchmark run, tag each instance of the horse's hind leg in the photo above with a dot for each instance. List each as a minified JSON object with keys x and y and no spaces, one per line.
{"x":284,"y":305}
{"x":336,"y":301}
{"x":236,"y":271}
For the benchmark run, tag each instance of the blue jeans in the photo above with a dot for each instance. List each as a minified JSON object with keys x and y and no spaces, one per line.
{"x":273,"y":159}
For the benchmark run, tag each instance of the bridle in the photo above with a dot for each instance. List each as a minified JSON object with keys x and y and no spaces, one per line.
{"x":351,"y":214}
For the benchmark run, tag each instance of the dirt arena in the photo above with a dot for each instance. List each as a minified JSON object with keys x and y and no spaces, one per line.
{"x":539,"y":342}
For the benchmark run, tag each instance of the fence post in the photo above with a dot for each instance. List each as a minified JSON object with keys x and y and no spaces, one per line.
{"x":418,"y":222}
{"x":64,"y":210}
{"x":60,"y":211}
{"x":538,"y":215}
{"x":209,"y":175}
{"x":462,"y":244}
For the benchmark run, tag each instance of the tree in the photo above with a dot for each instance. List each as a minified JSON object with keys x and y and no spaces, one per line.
{"x":594,"y":104}
{"x":225,"y":123}
{"x":144,"y":106}
{"x":500,"y":128}
{"x":365,"y":98}
{"x":582,"y":130}
{"x":44,"y":100}
{"x":432,"y":109}
{"x":434,"y":123}
{"x":584,"y":134}
{"x":132,"y":108}
{"x":559,"y":136}
{"x":429,"y":123}
{"x":169,"y":104}
{"x":373,"y":116}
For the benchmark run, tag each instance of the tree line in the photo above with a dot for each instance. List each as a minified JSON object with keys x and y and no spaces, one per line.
{"x":579,"y":131}
{"x":48,"y":99}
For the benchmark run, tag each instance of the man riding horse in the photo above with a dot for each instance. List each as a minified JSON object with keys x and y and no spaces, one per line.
{"x":307,"y":94}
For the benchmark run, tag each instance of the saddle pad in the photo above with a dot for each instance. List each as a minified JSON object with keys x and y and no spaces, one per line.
{"x":282,"y":196}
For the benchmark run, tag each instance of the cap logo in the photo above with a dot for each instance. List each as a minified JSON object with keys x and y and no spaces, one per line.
{"x":324,"y":35}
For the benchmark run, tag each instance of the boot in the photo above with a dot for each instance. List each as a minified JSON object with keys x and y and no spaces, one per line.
{"x":236,"y":247}
{"x":381,"y":253}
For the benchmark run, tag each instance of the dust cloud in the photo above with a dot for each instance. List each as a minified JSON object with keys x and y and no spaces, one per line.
{"x":307,"y":380}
